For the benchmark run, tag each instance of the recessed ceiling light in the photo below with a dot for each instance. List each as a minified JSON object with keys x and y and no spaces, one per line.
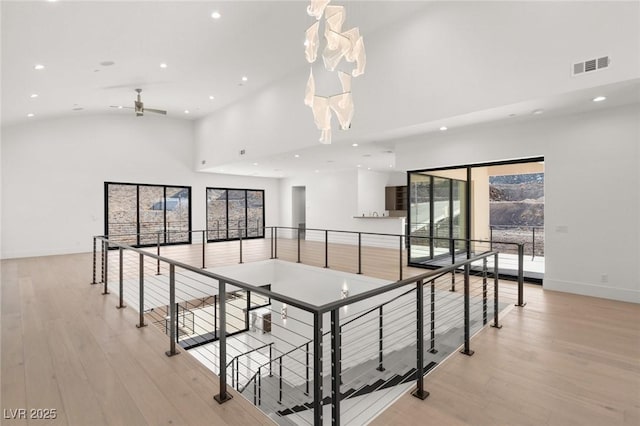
{"x":30,"y":115}
{"x":297,"y":155}
{"x":211,"y":97}
{"x":216,"y":15}
{"x":119,"y":106}
{"x":33,"y":95}
{"x":186,"y":111}
{"x":537,"y":111}
{"x":163,"y":65}
{"x":599,"y":98}
{"x":390,"y":165}
{"x":244,"y":78}
{"x":368,"y":168}
{"x":317,"y":171}
{"x":443,"y":128}
{"x":38,"y":67}
{"x":354,"y":144}
{"x":255,"y":164}
{"x":359,"y":165}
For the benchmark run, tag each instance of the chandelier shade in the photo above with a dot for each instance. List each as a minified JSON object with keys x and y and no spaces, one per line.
{"x":338,"y":44}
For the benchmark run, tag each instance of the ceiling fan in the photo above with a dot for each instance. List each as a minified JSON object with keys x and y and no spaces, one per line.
{"x":139,"y":106}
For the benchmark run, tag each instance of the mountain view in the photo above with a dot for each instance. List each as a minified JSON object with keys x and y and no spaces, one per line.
{"x":516,"y":209}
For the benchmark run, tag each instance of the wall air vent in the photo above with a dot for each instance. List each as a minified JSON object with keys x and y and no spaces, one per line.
{"x":590,"y":65}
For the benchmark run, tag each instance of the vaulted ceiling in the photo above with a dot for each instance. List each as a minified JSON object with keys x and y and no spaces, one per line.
{"x":96,"y":53}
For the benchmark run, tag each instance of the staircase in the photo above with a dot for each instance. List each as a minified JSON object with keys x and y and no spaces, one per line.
{"x":362,"y":380}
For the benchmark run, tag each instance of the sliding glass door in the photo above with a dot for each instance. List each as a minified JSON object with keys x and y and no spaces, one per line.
{"x":437,"y":217}
{"x":140,"y":215}
{"x":234,"y":213}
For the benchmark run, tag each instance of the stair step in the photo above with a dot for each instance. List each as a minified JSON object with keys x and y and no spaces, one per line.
{"x":379,"y":384}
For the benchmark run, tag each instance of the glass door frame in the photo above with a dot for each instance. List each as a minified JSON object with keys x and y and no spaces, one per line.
{"x":225,"y":231}
{"x":163,"y":241}
{"x":468,"y":198}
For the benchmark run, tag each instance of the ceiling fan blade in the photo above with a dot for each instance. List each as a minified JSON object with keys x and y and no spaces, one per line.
{"x":120,"y":107}
{"x":157,"y":111}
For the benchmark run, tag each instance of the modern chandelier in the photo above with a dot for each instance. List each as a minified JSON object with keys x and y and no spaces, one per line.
{"x":338,"y":45}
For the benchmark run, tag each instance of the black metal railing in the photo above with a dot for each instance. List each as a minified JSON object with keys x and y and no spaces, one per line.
{"x":148,"y":279}
{"x":529,"y":236}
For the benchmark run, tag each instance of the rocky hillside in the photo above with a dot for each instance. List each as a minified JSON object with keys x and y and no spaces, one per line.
{"x":517,"y":200}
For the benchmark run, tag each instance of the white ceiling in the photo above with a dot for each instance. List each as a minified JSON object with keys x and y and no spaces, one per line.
{"x":261,"y":40}
{"x":205,"y":57}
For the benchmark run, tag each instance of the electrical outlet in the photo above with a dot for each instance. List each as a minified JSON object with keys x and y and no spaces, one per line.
{"x":604,"y":278}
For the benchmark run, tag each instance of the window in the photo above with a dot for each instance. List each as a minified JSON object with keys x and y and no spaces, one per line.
{"x":235,"y":213}
{"x":139,"y":215}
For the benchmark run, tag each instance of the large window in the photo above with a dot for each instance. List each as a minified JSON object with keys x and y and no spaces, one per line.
{"x":235,"y":213}
{"x":139,"y":215}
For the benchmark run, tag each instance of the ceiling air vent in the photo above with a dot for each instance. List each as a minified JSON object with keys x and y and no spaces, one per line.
{"x":591,"y":65}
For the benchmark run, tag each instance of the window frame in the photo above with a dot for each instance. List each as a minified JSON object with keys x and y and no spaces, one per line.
{"x":246,"y":215}
{"x":163,"y":242}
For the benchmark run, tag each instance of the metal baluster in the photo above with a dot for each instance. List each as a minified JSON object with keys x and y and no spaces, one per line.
{"x":484,"y":291}
{"x":223,"y":396}
{"x":172,"y":311}
{"x":275,"y":244}
{"x":120,"y":280}
{"x":106,"y":267}
{"x":326,"y":248}
{"x":280,"y":381}
{"x":521,"y":302}
{"x":317,"y":369}
{"x":467,"y":336}
{"x":306,"y":392}
{"x":93,"y":281}
{"x":259,"y":385}
{"x":420,"y":392}
{"x":204,"y":249}
{"x":495,"y":324}
{"x":359,"y":253}
{"x":270,"y":359}
{"x":102,"y":261}
{"x":158,"y":253}
{"x":380,"y":340}
{"x":298,"y":244}
{"x":335,"y":367}
{"x":400,"y":252}
{"x":432,"y":348}
{"x":141,"y":292}
{"x":271,"y":244}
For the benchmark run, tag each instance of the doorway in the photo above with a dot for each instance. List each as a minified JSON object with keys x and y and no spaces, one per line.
{"x":299,"y":209}
{"x":456,"y":212}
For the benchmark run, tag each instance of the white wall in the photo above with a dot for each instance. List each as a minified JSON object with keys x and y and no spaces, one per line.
{"x":592,"y":190}
{"x":451,"y":59}
{"x":53,"y":175}
{"x":334,"y":198}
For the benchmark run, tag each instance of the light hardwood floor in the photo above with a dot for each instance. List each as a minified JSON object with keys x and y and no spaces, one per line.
{"x":66,"y":347}
{"x":562,"y":359}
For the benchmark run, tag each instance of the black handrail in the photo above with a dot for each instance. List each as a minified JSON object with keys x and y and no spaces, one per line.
{"x":329,"y":332}
{"x":248,"y":352}
{"x":386,"y":303}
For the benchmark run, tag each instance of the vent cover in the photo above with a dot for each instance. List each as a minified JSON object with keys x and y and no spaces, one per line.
{"x":590,"y":65}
